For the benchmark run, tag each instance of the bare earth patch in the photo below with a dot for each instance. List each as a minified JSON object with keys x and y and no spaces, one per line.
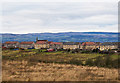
{"x":23,"y":71}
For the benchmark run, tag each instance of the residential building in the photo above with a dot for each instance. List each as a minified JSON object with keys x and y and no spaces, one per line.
{"x":56,"y":45}
{"x":88,"y":45}
{"x":71,"y":45}
{"x":41,"y":44}
{"x":27,"y":45}
{"x":11,"y":44}
{"x":108,"y":45}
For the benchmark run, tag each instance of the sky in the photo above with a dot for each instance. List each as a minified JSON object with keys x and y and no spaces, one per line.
{"x":54,"y":17}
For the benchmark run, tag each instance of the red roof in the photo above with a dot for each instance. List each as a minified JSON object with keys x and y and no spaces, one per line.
{"x":88,"y":43}
{"x":55,"y":43}
{"x":41,"y":42}
{"x":49,"y":42}
{"x":11,"y":42}
{"x":26,"y":42}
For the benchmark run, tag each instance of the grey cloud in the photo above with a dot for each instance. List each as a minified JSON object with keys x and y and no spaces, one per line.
{"x":57,"y":17}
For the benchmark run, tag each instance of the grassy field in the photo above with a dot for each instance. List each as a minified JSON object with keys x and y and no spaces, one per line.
{"x":22,"y":71}
{"x":57,"y":57}
{"x":58,"y":66}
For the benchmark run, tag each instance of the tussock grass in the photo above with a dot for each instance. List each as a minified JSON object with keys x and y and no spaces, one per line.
{"x":34,"y":55}
{"x":34,"y":65}
{"x":22,"y":71}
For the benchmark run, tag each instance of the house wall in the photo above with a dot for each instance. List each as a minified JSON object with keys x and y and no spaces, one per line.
{"x":108,"y":47}
{"x":11,"y":45}
{"x":70,"y":46}
{"x":88,"y":47}
{"x":26,"y":46}
{"x":91,"y":47}
{"x":56,"y":46}
{"x":81,"y":47}
{"x":39,"y":46}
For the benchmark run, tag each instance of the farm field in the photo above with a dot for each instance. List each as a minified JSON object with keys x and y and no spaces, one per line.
{"x":23,"y":65}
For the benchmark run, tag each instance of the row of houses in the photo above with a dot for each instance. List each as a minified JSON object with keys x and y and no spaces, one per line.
{"x":39,"y":44}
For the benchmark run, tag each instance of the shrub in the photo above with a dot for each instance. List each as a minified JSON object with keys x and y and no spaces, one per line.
{"x":107,"y":52}
{"x":99,"y":61}
{"x":105,"y":61}
{"x":68,"y":50}
{"x":104,"y":52}
{"x":76,"y":62}
{"x":76,"y":51}
{"x":115,"y":63}
{"x":96,"y":50}
{"x":111,"y":52}
{"x":108,"y":61}
{"x":86,"y":51}
{"x":89,"y":62}
{"x":60,"y":49}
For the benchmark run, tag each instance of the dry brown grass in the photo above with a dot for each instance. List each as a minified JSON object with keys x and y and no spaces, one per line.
{"x":22,"y":71}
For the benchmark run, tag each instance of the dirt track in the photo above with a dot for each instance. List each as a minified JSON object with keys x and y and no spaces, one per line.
{"x":23,"y":71}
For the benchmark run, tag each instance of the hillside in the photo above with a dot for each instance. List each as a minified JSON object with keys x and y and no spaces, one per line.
{"x":22,"y":71}
{"x":36,"y":65}
{"x":64,"y":37}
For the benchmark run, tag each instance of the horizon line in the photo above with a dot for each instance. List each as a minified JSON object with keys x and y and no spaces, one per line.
{"x":61,"y":32}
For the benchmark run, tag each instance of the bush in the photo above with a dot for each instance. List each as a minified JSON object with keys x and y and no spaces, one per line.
{"x":60,"y":49}
{"x":99,"y":61}
{"x":115,"y":63}
{"x":76,"y":62}
{"x":105,"y":61}
{"x":76,"y":51}
{"x":111,"y":52}
{"x":107,"y":52}
{"x":89,"y":62}
{"x":68,"y":50}
{"x":104,"y":52}
{"x":96,"y":50}
{"x":108,"y":61}
{"x":86,"y":51}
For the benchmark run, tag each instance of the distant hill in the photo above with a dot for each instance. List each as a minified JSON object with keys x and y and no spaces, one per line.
{"x":63,"y":37}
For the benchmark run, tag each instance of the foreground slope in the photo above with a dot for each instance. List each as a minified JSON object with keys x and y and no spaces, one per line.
{"x":22,"y":71}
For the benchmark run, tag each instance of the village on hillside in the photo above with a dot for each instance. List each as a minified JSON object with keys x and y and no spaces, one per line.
{"x":51,"y":46}
{"x":45,"y":60}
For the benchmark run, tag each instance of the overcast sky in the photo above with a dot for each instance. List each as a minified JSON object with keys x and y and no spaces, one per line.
{"x":37,"y":17}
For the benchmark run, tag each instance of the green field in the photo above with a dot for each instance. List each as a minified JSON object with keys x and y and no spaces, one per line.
{"x":62,"y":57}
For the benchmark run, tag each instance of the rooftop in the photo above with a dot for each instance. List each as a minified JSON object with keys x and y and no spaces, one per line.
{"x":71,"y":43}
{"x":110,"y":43}
{"x":41,"y":42}
{"x":26,"y":42}
{"x":88,"y":43}
{"x":11,"y":42}
{"x":55,"y":43}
